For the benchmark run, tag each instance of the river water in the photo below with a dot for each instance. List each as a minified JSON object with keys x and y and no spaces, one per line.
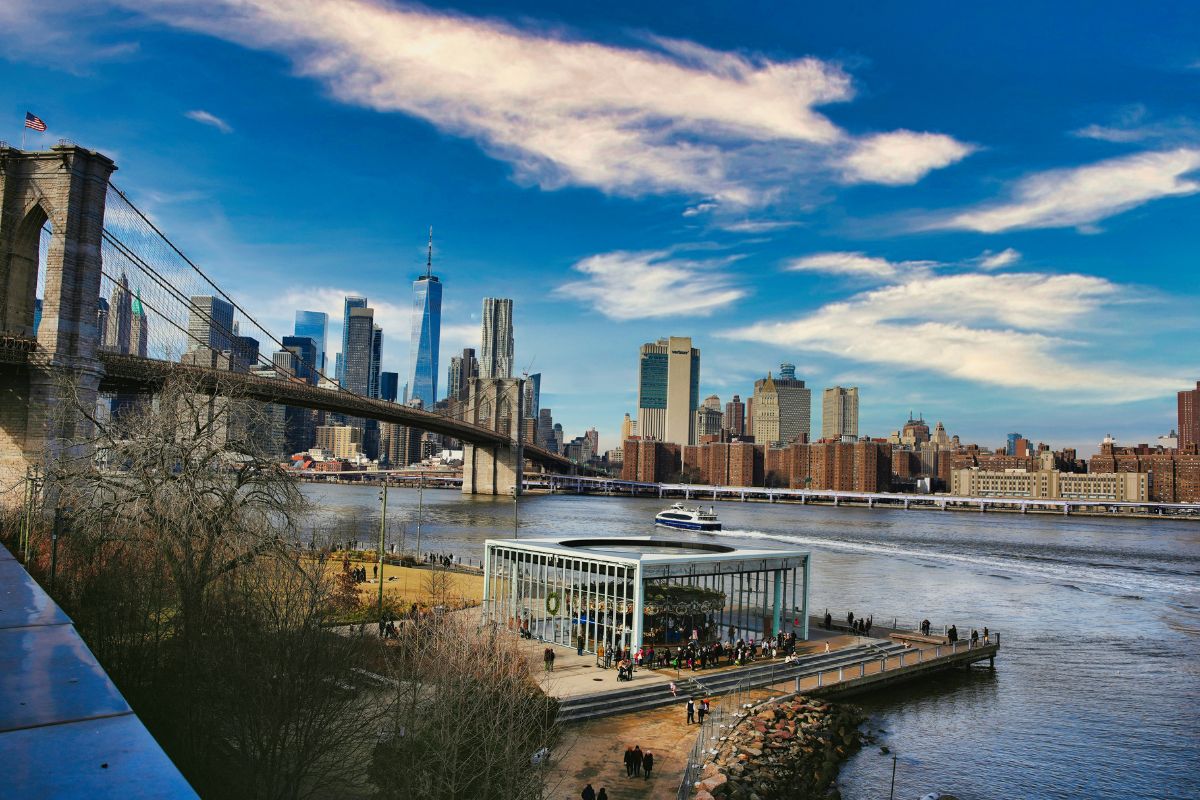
{"x":1096,"y":692}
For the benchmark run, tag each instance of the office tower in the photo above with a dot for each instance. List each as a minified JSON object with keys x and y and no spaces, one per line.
{"x":314,"y":325}
{"x":669,"y":390}
{"x":389,"y":386}
{"x":1010,"y":446}
{"x":1189,"y":420}
{"x":339,"y":367}
{"x":593,"y":437}
{"x":839,"y":412}
{"x":210,"y":323}
{"x":628,"y":428}
{"x":766,"y":412}
{"x":120,"y":313}
{"x":545,"y":429}
{"x":360,"y":335}
{"x":713,"y":402}
{"x":37,"y":314}
{"x":533,"y":394}
{"x":795,"y":406}
{"x":351,"y":302}
{"x":708,"y":422}
{"x":462,"y":369}
{"x":101,"y":321}
{"x":243,"y":353}
{"x":305,"y":351}
{"x":286,"y":363}
{"x":558,"y":440}
{"x":376,"y":360}
{"x":735,"y":417}
{"x":426,"y":333}
{"x":496,"y":353}
{"x":139,"y":327}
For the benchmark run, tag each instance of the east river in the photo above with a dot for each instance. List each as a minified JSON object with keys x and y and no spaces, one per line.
{"x":1096,"y":692}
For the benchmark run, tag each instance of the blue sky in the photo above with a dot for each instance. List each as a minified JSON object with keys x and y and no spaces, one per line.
{"x":984,"y":214}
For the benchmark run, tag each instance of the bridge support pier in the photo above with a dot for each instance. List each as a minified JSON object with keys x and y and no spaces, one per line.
{"x":495,"y":468}
{"x":66,"y":188}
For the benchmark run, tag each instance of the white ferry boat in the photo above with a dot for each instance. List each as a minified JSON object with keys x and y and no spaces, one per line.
{"x":688,"y":519}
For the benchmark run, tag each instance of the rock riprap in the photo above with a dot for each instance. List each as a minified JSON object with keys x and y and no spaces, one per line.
{"x":784,"y":749}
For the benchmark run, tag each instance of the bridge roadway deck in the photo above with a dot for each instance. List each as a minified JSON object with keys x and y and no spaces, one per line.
{"x":132,"y":373}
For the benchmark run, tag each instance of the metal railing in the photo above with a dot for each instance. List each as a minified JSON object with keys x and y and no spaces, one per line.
{"x":730,"y":709}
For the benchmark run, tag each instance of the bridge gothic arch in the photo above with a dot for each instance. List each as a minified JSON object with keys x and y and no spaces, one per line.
{"x":495,"y":403}
{"x":66,"y":187}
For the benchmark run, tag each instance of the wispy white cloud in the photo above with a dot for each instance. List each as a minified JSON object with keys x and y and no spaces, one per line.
{"x":61,"y":34}
{"x":859,"y":265}
{"x":206,"y":118}
{"x":990,"y":261}
{"x":637,"y":285}
{"x":1000,"y":330}
{"x":757,"y":225}
{"x":1082,"y":195}
{"x":1134,"y":123}
{"x":669,"y":117}
{"x":901,"y":157}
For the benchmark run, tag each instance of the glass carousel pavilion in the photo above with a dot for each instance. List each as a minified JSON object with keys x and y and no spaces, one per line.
{"x":636,"y":591}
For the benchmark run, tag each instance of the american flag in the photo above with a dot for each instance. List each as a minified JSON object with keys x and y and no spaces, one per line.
{"x":35,"y":122}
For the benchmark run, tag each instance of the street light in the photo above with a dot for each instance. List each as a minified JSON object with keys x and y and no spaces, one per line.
{"x":516,"y":519}
{"x":382,"y":528}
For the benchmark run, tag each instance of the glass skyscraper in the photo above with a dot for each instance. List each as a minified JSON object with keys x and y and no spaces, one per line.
{"x":314,"y":325}
{"x":426,"y":334}
{"x":389,"y":386}
{"x":360,"y":335}
{"x":352,"y":302}
{"x":305,"y":351}
{"x":376,"y":360}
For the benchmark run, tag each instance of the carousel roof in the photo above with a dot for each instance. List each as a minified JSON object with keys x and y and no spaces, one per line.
{"x":661,"y":555}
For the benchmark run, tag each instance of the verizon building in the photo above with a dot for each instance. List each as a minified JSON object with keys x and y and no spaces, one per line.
{"x":668,"y":390}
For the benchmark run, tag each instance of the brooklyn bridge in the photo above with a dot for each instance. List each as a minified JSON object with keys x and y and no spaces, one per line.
{"x":61,"y":213}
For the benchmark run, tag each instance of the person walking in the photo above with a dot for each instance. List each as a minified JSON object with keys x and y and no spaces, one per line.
{"x":628,"y":762}
{"x":647,"y":764}
{"x":702,"y":711}
{"x":588,"y":793}
{"x":637,"y":760}
{"x":603,"y":794}
{"x":691,"y":711}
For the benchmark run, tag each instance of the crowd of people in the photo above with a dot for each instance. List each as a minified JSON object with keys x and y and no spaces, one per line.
{"x":439,"y":559}
{"x":696,"y":655}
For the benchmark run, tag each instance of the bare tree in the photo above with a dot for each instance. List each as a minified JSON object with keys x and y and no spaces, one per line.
{"x":468,"y":716}
{"x":183,"y":571}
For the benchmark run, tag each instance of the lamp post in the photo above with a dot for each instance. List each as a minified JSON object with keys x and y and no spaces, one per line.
{"x":420,"y":512}
{"x":382,"y":528}
{"x":516,"y":519}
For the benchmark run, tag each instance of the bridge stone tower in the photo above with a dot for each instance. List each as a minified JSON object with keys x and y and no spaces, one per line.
{"x":65,"y":187}
{"x":495,"y":403}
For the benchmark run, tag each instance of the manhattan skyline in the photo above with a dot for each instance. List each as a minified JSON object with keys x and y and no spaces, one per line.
{"x":1007,"y":247}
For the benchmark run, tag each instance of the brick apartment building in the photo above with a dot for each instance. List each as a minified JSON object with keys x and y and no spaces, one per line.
{"x":1174,"y":475}
{"x":649,"y":461}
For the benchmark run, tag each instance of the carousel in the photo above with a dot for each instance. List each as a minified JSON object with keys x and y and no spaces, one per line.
{"x":630,"y":592}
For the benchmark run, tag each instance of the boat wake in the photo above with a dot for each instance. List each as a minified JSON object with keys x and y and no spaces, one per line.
{"x":1111,"y":580}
